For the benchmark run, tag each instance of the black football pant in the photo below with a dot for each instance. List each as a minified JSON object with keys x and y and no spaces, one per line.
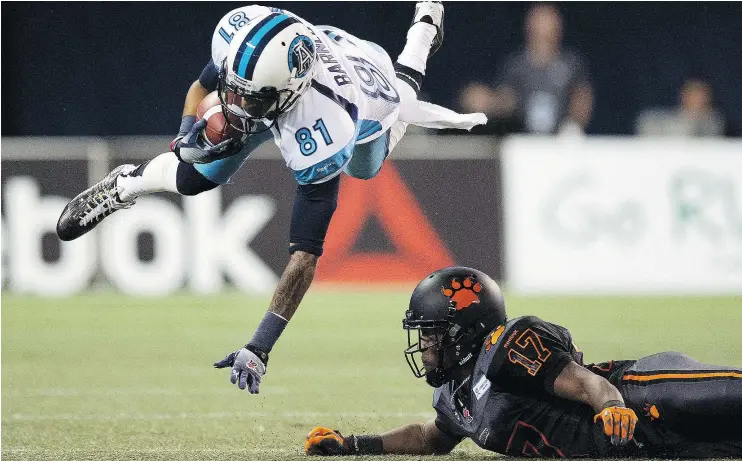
{"x":685,"y":407}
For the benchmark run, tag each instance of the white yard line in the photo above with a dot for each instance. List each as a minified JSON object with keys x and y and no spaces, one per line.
{"x":216,"y":415}
{"x":75,"y":392}
{"x":277,"y":451}
{"x":124,"y":391}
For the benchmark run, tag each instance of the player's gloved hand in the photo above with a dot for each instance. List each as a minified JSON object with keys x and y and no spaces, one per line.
{"x":322,"y":441}
{"x":193,"y":148}
{"x":186,"y":123}
{"x":248,"y":367}
{"x":619,"y":422}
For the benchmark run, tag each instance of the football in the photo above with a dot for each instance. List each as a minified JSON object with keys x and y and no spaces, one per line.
{"x":217,"y":129}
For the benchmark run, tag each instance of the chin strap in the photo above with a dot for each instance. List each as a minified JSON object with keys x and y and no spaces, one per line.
{"x":438,"y":376}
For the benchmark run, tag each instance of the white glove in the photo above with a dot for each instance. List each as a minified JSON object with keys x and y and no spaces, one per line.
{"x":247,"y":368}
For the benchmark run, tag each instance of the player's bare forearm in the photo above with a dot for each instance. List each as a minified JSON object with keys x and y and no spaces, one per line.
{"x":196,"y":94}
{"x":415,"y":439}
{"x":577,"y":383}
{"x":295,"y":281}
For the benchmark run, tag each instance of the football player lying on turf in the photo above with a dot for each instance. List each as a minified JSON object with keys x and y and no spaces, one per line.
{"x":331,"y":102}
{"x":519,"y":388}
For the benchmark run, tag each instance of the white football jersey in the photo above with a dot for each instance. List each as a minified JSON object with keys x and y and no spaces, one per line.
{"x":352,"y":99}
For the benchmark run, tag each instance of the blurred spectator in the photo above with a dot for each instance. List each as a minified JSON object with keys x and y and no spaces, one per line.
{"x":543,"y":88}
{"x":480,"y":97}
{"x":695,"y":115}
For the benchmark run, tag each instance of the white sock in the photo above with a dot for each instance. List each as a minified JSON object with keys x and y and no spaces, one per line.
{"x":159,"y":175}
{"x":407,"y":101}
{"x":396,"y":132}
{"x":416,"y":50}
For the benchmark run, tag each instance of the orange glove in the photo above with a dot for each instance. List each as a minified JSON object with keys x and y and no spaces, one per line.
{"x":619,"y":422}
{"x":326,"y":442}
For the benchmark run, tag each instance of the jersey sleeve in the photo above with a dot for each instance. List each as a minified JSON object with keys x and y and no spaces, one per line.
{"x":314,"y":205}
{"x":448,"y":439}
{"x":318,"y":136}
{"x":209,"y":76}
{"x":530,"y":356}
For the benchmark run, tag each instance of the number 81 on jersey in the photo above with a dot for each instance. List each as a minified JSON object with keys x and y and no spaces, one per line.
{"x":307,"y":144}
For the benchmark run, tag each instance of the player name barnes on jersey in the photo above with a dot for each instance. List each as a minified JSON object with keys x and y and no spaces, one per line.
{"x":331,"y":63}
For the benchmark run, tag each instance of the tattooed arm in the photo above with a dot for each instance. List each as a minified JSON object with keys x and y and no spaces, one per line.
{"x":249,"y":363}
{"x":314,"y":206}
{"x":295,"y":281}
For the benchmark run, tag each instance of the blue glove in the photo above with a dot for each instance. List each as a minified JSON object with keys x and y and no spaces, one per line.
{"x":193,"y":148}
{"x":248,"y":368}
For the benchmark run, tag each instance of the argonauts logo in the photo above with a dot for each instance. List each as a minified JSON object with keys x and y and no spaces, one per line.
{"x":301,"y":55}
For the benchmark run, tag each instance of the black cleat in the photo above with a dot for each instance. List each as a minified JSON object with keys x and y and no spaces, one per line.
{"x":88,"y":209}
{"x":431,"y":13}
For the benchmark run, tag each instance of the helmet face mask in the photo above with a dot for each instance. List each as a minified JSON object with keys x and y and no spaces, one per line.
{"x":451,"y":312}
{"x":425,"y":341}
{"x":263,"y":104}
{"x":244,"y":110}
{"x":437,"y":349}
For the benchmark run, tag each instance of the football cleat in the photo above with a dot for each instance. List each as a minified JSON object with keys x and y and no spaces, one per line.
{"x":88,"y":209}
{"x":431,"y":13}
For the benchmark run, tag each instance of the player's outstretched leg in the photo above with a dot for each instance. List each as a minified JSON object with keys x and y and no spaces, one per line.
{"x":698,"y":400}
{"x":431,"y":13}
{"x":424,"y":37}
{"x":89,"y":208}
{"x":422,"y":42}
{"x":120,"y":188}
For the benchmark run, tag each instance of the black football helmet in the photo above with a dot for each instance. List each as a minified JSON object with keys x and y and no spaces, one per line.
{"x":458,"y":307}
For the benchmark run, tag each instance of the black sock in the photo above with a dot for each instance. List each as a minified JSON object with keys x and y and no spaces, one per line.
{"x":190,"y":182}
{"x":409,"y":76}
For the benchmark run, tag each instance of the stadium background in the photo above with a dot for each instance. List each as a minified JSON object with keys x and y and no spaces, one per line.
{"x":113,"y":58}
{"x":107,"y":342}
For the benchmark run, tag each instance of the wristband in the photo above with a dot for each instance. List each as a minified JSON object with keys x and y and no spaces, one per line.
{"x":613,"y":403}
{"x":365,"y":444}
{"x":186,"y":123}
{"x":262,"y":355}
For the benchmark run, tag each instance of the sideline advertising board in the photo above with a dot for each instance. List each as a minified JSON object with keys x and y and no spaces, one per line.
{"x":623,"y":216}
{"x":413,"y":218}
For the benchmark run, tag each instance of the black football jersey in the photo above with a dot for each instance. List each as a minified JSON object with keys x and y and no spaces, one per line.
{"x":530,"y":356}
{"x":510,"y":406}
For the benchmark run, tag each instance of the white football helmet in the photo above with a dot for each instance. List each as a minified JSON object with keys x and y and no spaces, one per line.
{"x":270,"y":64}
